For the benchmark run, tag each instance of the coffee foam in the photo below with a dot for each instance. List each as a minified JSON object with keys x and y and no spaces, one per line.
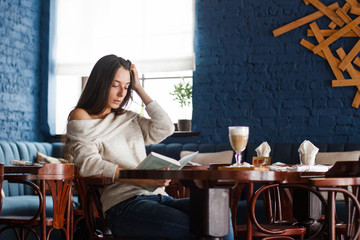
{"x":243,"y":131}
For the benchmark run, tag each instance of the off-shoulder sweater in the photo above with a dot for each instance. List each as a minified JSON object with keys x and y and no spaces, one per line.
{"x":99,"y":146}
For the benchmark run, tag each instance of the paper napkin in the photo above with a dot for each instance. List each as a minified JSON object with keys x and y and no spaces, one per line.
{"x":263,"y":150}
{"x":307,"y":147}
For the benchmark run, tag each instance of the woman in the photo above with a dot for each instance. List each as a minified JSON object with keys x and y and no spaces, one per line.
{"x":103,"y":137}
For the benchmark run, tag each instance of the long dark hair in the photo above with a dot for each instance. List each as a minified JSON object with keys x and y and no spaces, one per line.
{"x":96,"y":92}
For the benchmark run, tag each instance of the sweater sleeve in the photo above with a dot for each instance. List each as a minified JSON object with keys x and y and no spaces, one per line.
{"x":158,"y":127}
{"x":87,"y":158}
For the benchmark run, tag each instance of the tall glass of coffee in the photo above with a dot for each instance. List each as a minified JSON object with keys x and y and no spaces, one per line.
{"x":238,"y":136}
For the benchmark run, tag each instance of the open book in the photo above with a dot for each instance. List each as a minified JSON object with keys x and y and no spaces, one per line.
{"x":157,"y":161}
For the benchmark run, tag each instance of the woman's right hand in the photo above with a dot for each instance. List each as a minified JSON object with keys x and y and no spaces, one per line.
{"x":138,"y":87}
{"x":136,"y":84}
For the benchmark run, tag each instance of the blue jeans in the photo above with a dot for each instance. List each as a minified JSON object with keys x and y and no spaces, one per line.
{"x":154,"y":216}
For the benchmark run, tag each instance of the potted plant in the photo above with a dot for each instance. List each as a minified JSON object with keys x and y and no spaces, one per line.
{"x":183,"y":95}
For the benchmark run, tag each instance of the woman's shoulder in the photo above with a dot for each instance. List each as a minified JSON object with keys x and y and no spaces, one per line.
{"x":79,"y":114}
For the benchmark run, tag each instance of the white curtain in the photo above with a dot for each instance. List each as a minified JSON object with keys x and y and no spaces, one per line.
{"x":157,"y":35}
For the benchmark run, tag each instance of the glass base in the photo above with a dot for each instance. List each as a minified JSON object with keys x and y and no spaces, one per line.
{"x":237,"y":165}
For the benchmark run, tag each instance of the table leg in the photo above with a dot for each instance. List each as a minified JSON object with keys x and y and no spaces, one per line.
{"x":331,"y":214}
{"x":307,"y":210}
{"x":209,"y":216}
{"x":249,"y":225}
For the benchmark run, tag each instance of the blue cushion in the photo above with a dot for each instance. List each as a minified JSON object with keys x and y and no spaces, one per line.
{"x":8,"y":151}
{"x":27,"y":205}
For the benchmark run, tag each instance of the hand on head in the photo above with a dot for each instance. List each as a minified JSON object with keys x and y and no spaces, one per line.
{"x":136,"y":83}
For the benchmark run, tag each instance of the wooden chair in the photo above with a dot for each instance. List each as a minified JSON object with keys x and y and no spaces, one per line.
{"x":277,"y":205}
{"x":349,"y":227}
{"x":343,"y":229}
{"x":58,"y":178}
{"x":278,"y":226}
{"x":95,"y":220}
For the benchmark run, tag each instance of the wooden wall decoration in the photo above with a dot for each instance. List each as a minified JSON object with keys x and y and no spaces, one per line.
{"x":341,"y":25}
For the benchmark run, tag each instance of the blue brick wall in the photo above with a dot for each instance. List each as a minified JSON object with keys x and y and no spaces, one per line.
{"x":246,"y":76}
{"x":19,"y":69}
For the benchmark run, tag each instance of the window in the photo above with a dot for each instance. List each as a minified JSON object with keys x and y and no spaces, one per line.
{"x":157,"y":35}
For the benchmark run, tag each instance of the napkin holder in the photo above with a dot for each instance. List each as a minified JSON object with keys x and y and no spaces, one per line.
{"x":261,"y":161}
{"x":307,"y":159}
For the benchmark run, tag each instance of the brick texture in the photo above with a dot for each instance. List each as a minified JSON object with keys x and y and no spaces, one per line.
{"x":19,"y":69}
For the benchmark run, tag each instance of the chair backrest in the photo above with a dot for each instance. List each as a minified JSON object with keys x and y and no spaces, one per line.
{"x":60,"y":189}
{"x":277,"y":201}
{"x":282,"y":200}
{"x":278,"y":204}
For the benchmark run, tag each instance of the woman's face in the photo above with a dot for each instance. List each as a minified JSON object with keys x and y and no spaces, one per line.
{"x":118,"y":89}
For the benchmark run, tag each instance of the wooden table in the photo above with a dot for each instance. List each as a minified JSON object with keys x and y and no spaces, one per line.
{"x":209,"y":193}
{"x":58,"y":178}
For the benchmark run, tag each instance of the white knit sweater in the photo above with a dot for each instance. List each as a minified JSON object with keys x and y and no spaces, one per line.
{"x":98,"y":146}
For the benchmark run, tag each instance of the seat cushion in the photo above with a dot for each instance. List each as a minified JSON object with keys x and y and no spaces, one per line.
{"x":27,"y":205}
{"x":329,"y":158}
{"x":24,"y":205}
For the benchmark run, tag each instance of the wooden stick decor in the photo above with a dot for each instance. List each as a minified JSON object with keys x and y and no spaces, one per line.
{"x":354,"y":74}
{"x":329,"y":32}
{"x":302,"y":21}
{"x":328,"y":12}
{"x":353,"y":3}
{"x":328,"y":54}
{"x":346,"y":8}
{"x":341,"y":25}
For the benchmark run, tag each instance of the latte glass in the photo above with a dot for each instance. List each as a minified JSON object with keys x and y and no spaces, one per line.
{"x":238,"y":136}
